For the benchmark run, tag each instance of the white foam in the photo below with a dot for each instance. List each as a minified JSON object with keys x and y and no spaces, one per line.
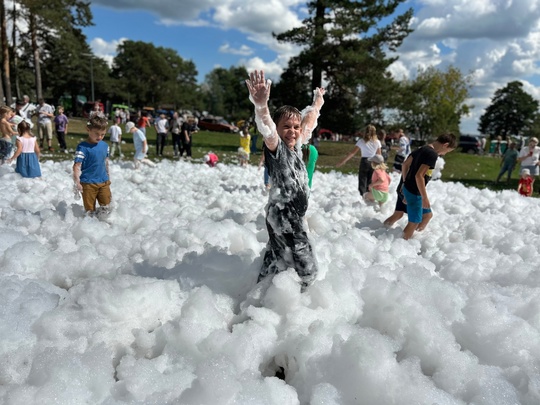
{"x":158,"y":303}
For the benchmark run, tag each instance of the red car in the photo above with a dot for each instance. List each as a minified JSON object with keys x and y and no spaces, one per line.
{"x":216,"y":124}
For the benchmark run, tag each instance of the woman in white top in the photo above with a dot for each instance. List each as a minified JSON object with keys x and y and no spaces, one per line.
{"x":369,"y":146}
{"x":529,"y":157}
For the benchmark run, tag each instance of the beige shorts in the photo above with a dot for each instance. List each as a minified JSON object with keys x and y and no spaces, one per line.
{"x":92,"y":192}
{"x":45,"y":130}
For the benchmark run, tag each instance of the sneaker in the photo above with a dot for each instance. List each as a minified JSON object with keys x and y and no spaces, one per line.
{"x":66,"y":151}
{"x":51,"y":149}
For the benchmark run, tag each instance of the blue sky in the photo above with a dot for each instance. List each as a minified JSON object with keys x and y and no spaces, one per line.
{"x":496,"y":41}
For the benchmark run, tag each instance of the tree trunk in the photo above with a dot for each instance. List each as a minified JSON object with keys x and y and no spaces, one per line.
{"x":316,"y":78}
{"x":5,"y":54}
{"x":14,"y":52}
{"x":35,"y":49}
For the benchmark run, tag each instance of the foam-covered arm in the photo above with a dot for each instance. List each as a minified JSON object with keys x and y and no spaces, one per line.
{"x":259,"y":93}
{"x":77,"y":176}
{"x":311,"y":113}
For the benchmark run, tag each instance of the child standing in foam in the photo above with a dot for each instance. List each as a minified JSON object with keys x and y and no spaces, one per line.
{"x":91,"y":168}
{"x":244,"y":149}
{"x":27,"y":153}
{"x":380,"y":180}
{"x":526,"y":182}
{"x":141,"y":146}
{"x":7,"y":148}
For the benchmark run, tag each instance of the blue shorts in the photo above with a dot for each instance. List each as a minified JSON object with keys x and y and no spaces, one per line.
{"x":414,"y":208}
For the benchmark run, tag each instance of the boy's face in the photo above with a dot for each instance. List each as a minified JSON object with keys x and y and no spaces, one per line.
{"x":289,"y":129}
{"x":95,"y":135}
{"x":445,"y":149}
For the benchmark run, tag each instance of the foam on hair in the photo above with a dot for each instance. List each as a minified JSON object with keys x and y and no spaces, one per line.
{"x":97,"y":122}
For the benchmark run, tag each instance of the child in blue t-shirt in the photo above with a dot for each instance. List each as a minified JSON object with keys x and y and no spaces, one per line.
{"x":91,"y":167}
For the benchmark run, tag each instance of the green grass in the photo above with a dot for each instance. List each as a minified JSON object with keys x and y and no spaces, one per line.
{"x":471,"y":170}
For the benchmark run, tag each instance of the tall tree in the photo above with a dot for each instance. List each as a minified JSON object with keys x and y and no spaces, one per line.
{"x":5,"y":54}
{"x":70,"y":52}
{"x":434,"y":102}
{"x":345,"y":43}
{"x":46,"y":20}
{"x":512,"y":112}
{"x":14,"y":50}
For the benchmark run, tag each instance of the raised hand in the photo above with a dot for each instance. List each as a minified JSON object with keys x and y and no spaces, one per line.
{"x":259,"y":89}
{"x":318,"y":99}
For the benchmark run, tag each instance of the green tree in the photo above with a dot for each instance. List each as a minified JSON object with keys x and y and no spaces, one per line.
{"x":512,"y":112}
{"x":6,"y":76}
{"x":154,"y":75}
{"x":345,"y":43}
{"x":48,"y":21}
{"x":226,"y":93}
{"x":434,"y":102}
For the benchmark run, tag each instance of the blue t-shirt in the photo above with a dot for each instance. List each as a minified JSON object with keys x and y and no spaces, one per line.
{"x":138,"y":142}
{"x":92,"y":157}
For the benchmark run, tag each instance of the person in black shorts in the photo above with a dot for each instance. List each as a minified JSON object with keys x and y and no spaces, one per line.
{"x":416,"y":173}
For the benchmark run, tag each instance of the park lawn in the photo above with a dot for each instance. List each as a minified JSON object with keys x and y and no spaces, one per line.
{"x":471,"y":170}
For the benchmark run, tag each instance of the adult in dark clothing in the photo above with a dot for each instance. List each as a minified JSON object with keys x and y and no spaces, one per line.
{"x":188,"y":129}
{"x":176,"y":130}
{"x":284,"y":134}
{"x":416,"y":172}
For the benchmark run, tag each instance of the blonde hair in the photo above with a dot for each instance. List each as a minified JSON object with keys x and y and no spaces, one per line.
{"x":377,"y":166}
{"x":5,"y":109}
{"x":370,"y":134}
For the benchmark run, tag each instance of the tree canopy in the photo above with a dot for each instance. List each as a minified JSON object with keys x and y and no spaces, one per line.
{"x":226,"y":94}
{"x":50,"y":22}
{"x":434,"y":102}
{"x":345,"y":44}
{"x":152,"y":75}
{"x":512,"y":112}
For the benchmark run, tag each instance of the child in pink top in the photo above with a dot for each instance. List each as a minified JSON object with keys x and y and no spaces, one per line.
{"x":380,"y":180}
{"x":211,"y":159}
{"x":27,"y":154}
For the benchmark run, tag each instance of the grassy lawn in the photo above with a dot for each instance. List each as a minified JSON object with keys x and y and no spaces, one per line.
{"x":472,"y":170}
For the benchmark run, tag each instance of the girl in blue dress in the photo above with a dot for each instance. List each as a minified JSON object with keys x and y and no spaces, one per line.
{"x":27,"y":153}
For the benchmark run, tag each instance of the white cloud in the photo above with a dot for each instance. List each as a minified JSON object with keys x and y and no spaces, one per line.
{"x":105,"y":50}
{"x":256,"y":19}
{"x":495,"y":40}
{"x":272,"y":69}
{"x":244,"y":50}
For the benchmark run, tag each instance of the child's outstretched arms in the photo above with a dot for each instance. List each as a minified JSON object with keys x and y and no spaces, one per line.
{"x":311,"y":113}
{"x":259,"y":93}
